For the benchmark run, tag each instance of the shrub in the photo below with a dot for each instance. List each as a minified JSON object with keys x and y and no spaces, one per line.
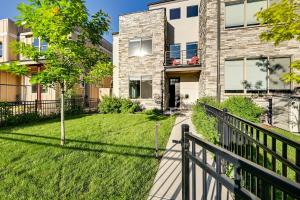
{"x":22,"y":119}
{"x":118,"y":105}
{"x":209,"y":101}
{"x":205,"y":124}
{"x":243,"y":107}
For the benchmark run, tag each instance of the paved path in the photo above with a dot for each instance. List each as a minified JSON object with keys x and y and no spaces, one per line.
{"x":167,"y":183}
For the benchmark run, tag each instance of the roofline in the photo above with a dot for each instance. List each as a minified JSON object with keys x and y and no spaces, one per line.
{"x":143,"y":11}
{"x":159,"y":2}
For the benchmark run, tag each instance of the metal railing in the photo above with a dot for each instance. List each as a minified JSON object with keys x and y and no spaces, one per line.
{"x":12,"y":111}
{"x":242,"y":167}
{"x":182,"y":58}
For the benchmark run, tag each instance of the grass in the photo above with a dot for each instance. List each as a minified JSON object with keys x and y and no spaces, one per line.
{"x":105,"y":157}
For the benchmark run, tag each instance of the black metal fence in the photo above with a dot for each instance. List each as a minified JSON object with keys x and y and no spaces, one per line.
{"x":262,"y":146}
{"x":243,"y":170}
{"x":16,"y":111}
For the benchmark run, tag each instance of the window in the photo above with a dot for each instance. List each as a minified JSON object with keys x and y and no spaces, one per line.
{"x":36,"y":43}
{"x":1,"y":49}
{"x":34,"y":89}
{"x":192,"y":11}
{"x":43,"y":46}
{"x":237,"y":16}
{"x":39,"y":44}
{"x":256,"y":75}
{"x":234,"y":75}
{"x":175,"y":51}
{"x":253,"y":7}
{"x":234,"y":15}
{"x":175,"y":13}
{"x":279,"y":66}
{"x":191,"y":49}
{"x":140,"y":87}
{"x":140,"y":47}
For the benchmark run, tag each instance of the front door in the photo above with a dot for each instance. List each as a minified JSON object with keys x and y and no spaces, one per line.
{"x":174,"y":92}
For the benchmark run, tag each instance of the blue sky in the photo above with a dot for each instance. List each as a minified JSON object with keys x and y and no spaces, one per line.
{"x":114,"y":8}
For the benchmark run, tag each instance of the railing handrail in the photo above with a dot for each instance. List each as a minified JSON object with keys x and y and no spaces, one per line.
{"x":292,"y":188}
{"x":272,"y":133}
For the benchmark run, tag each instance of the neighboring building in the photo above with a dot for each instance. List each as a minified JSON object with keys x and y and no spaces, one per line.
{"x":14,"y":88}
{"x":168,"y":56}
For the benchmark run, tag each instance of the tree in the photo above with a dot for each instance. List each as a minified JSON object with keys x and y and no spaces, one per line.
{"x":67,"y":61}
{"x":282,"y":20}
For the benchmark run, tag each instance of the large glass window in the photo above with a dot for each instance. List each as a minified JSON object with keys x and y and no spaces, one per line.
{"x":253,"y":75}
{"x":175,"y":13}
{"x":175,"y":51}
{"x":140,"y":87}
{"x":1,"y":49}
{"x":192,"y":11}
{"x":234,"y":75}
{"x":279,"y":66}
{"x":140,"y":47}
{"x":191,"y":49}
{"x":44,"y":46}
{"x":234,"y":15}
{"x":256,"y":74}
{"x":253,"y":7}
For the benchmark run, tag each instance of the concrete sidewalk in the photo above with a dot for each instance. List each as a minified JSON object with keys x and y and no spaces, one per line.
{"x":167,"y":183}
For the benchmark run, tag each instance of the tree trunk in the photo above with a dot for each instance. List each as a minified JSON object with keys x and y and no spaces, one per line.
{"x":62,"y":115}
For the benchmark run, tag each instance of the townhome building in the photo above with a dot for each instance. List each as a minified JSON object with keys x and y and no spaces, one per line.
{"x":180,"y":50}
{"x":15,"y":88}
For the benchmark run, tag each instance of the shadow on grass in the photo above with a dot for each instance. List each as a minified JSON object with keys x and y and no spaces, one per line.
{"x":81,"y":141}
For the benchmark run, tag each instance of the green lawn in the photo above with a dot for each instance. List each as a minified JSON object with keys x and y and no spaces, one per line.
{"x":106,"y":157}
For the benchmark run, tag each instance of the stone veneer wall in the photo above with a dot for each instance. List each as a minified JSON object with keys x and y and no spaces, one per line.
{"x":235,"y":43}
{"x":142,"y":25}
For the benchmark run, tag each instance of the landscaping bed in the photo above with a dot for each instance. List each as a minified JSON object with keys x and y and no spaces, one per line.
{"x":105,"y":157}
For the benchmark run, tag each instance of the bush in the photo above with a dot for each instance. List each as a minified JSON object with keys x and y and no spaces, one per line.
{"x":209,"y":101}
{"x":243,"y":107}
{"x":22,"y":119}
{"x":118,"y":105}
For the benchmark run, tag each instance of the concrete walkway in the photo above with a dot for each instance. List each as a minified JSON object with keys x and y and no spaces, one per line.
{"x":167,"y":183}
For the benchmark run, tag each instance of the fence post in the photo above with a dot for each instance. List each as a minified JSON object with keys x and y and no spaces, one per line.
{"x":156,"y":140}
{"x":298,"y":164}
{"x":185,"y":162}
{"x":36,"y":106}
{"x":225,"y":130}
{"x":270,"y":112}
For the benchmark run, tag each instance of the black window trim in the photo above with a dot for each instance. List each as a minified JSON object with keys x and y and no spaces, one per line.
{"x":172,"y":9}
{"x":187,"y":13}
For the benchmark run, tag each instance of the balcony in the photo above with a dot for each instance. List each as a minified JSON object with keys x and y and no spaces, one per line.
{"x":184,"y":60}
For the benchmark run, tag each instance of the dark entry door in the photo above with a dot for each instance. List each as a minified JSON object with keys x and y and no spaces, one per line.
{"x":174,"y":92}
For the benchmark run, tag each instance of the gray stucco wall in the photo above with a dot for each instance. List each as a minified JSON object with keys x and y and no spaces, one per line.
{"x":142,"y":25}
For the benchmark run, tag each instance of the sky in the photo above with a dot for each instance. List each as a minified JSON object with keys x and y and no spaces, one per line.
{"x":114,"y":8}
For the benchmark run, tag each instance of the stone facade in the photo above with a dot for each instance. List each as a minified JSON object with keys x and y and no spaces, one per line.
{"x":149,"y":24}
{"x":243,"y":42}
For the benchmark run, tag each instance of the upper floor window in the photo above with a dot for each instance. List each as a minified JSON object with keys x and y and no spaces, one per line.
{"x":175,"y":51}
{"x":39,"y":44}
{"x":140,"y":47}
{"x":192,"y":11}
{"x":191,"y":50}
{"x":175,"y":13}
{"x":253,"y":75}
{"x":1,"y":49}
{"x":237,"y":16}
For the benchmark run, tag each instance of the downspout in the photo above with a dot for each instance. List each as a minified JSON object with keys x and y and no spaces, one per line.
{"x":219,"y":51}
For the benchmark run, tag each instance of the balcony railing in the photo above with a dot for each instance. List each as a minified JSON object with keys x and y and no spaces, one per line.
{"x":182,"y":58}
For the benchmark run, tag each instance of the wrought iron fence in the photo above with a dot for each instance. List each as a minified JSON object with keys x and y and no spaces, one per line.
{"x":244,"y":170}
{"x":13,"y":111}
{"x":262,"y":146}
{"x":182,"y":57}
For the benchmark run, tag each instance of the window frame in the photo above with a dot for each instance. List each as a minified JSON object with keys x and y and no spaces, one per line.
{"x":186,"y":46}
{"x":268,"y":90}
{"x":245,"y":20}
{"x":176,"y":44}
{"x":190,"y":7}
{"x":174,"y":9}
{"x":140,"y":80}
{"x":140,"y":40}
